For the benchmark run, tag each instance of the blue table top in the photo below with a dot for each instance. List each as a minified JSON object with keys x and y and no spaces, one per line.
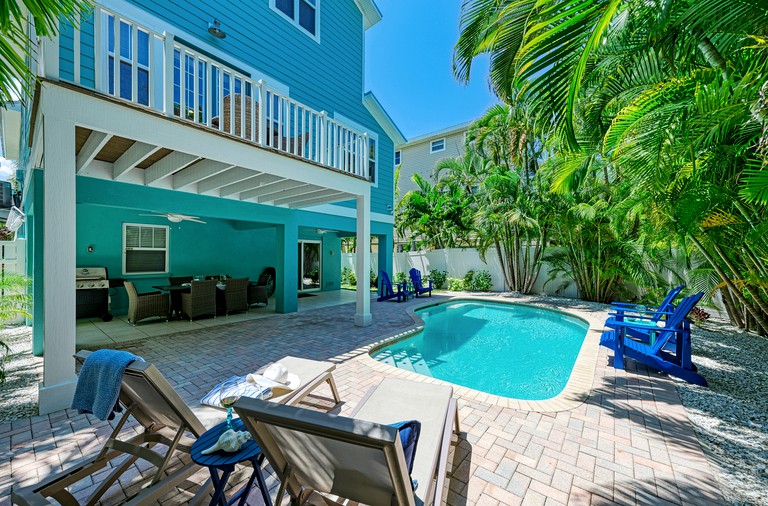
{"x":249,"y":451}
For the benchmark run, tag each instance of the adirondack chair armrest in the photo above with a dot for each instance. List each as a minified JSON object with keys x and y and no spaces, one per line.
{"x":613,"y":323}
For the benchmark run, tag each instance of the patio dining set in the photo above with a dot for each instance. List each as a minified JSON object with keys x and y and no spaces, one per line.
{"x":191,"y":297}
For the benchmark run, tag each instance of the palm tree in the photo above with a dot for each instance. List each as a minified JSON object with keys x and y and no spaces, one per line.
{"x":14,"y":301}
{"x":15,"y":73}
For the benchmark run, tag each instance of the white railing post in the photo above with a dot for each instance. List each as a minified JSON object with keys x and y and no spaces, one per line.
{"x":76,"y":47}
{"x":168,"y":81}
{"x":195,"y":90}
{"x":242,"y":109}
{"x":364,"y":158}
{"x":116,"y":60}
{"x":99,"y":50}
{"x":134,"y":63}
{"x":208,"y":94}
{"x":262,"y":112}
{"x":323,"y":149}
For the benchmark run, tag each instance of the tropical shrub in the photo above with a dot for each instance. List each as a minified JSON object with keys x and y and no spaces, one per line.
{"x":482,"y":281}
{"x":374,"y":279}
{"x":348,"y":277}
{"x":399,"y":278}
{"x":14,"y":302}
{"x":456,"y":284}
{"x":438,"y":278}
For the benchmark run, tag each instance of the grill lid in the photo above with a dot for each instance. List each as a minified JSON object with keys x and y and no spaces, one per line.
{"x":90,"y":273}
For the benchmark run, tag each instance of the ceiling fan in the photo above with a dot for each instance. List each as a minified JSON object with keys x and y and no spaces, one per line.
{"x":177,"y":218}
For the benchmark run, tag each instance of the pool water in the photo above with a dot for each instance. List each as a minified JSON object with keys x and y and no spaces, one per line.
{"x":503,"y":349}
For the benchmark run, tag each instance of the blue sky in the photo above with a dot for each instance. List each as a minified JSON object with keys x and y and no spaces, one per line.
{"x":409,"y":67}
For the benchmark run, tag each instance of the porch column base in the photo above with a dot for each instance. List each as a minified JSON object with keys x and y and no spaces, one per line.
{"x":363,"y":319}
{"x":55,"y":397}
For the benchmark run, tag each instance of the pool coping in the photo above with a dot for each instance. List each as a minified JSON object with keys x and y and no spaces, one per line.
{"x":575,"y":392}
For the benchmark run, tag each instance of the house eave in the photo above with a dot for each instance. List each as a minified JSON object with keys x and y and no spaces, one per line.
{"x":370,"y":11}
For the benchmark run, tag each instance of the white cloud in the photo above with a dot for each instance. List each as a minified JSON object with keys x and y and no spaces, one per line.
{"x":7,"y":168}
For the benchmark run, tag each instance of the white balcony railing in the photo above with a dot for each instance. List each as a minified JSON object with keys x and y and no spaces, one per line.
{"x":161,"y":72}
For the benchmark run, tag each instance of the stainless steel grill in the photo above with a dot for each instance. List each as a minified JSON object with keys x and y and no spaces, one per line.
{"x":92,"y":285}
{"x":91,"y":277}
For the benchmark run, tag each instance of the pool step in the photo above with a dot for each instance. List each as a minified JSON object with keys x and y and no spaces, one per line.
{"x":412,"y":361}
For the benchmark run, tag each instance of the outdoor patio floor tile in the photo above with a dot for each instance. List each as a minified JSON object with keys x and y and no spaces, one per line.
{"x":630,"y":442}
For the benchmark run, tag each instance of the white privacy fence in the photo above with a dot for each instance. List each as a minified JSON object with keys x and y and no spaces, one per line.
{"x":458,"y":261}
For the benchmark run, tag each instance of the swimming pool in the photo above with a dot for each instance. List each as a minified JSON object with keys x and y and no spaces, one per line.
{"x":509,"y":350}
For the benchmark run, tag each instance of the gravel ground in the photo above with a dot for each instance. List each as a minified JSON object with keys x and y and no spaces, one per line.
{"x":18,"y":395}
{"x":730,"y":417}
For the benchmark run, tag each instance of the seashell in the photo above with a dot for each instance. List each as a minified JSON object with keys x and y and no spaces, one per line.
{"x":229,"y":441}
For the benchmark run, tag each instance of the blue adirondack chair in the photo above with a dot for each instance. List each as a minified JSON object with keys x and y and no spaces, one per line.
{"x":386,"y":292}
{"x":634,"y":312}
{"x":670,"y":352}
{"x":418,"y":286}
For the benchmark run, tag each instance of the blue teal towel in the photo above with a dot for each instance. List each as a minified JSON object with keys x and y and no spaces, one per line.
{"x":409,"y":432}
{"x":98,"y":386}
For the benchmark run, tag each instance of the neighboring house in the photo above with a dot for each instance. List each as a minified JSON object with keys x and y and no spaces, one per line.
{"x":420,"y":155}
{"x":256,"y":122}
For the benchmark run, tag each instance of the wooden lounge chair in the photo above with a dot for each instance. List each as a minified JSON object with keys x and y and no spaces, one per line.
{"x":312,"y":373}
{"x":669,"y":352}
{"x":360,"y":458}
{"x":167,"y":426}
{"x":418,"y":285}
{"x":387,"y":292}
{"x":165,"y":419}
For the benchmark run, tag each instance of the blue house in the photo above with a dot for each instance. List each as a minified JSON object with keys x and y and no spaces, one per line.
{"x":248,"y":116}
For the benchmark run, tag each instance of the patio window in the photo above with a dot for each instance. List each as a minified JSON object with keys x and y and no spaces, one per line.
{"x":145,"y":249}
{"x":130,"y":50}
{"x":301,"y":12}
{"x":437,"y":146}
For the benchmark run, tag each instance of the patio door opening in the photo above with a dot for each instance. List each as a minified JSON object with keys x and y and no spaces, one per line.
{"x":310,"y":266}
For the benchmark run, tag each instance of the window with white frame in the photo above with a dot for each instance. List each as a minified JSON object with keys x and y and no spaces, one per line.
{"x":301,"y":12}
{"x":131,"y":51}
{"x":145,"y":249}
{"x":437,"y":145}
{"x":372,"y":156}
{"x":397,"y":158}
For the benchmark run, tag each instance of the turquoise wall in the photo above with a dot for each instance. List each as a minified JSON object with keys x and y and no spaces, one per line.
{"x":194,"y":248}
{"x":325,"y":76}
{"x":232,"y":241}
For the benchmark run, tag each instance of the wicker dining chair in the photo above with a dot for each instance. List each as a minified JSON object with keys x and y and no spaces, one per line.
{"x":201,"y":299}
{"x":257,"y":294}
{"x":179,"y":280}
{"x":236,"y":295}
{"x":144,"y":305}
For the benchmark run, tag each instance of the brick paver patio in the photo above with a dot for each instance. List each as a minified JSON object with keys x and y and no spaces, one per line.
{"x":629,"y":443}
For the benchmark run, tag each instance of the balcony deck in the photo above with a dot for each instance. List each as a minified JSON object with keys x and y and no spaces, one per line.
{"x":170,"y":80}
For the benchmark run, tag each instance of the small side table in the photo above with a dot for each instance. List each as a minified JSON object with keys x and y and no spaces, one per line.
{"x":225,"y":463}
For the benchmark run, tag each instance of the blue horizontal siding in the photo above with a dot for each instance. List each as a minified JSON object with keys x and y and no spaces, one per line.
{"x":325,"y":76}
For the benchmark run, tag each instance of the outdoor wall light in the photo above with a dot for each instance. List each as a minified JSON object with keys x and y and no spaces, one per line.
{"x":215,"y":29}
{"x":90,"y":248}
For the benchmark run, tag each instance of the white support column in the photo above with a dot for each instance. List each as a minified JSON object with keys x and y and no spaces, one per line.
{"x":58,"y":247}
{"x":363,"y":260}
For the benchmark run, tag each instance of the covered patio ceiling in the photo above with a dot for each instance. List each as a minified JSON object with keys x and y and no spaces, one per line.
{"x":108,"y":156}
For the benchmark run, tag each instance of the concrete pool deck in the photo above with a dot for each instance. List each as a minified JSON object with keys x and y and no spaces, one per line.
{"x":629,"y":442}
